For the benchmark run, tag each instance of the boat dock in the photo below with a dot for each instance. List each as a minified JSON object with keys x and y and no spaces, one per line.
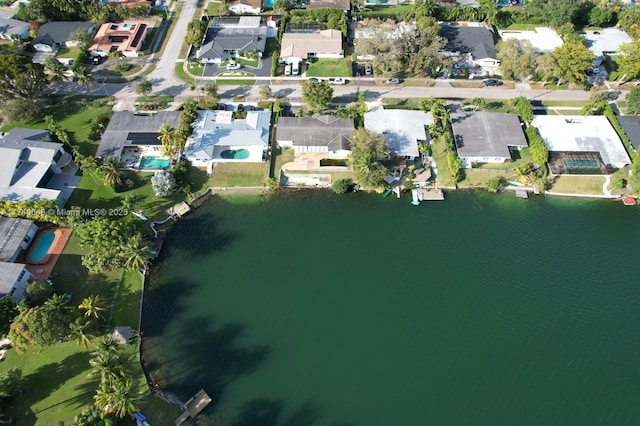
{"x":426,"y":194}
{"x":193,"y":406}
{"x":522,"y":193}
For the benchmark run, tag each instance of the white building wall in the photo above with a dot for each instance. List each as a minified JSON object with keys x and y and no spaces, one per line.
{"x":467,"y":162}
{"x":17,"y":293}
{"x":301,"y":149}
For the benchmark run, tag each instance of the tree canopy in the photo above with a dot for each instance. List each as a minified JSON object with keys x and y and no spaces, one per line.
{"x":41,"y":326}
{"x":317,"y":96}
{"x":22,"y":82}
{"x":629,"y":61}
{"x":517,"y":58}
{"x":633,"y":101}
{"x":367,"y":150}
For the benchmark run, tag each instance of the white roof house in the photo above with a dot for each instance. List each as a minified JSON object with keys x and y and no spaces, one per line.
{"x":583,"y":134}
{"x":32,"y":169}
{"x":607,"y":40}
{"x":541,"y":38}
{"x":218,"y":137}
{"x":404,"y":129}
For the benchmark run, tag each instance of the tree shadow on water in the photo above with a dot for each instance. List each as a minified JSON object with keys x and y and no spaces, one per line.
{"x":268,"y":412}
{"x":200,"y":235}
{"x":210,"y":358}
{"x":162,"y":305}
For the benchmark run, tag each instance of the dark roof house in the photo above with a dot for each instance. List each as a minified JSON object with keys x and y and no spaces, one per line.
{"x":631,"y":127}
{"x":15,"y":236}
{"x":58,"y":34}
{"x":10,"y":27}
{"x":127,"y":128}
{"x":479,"y":42}
{"x":485,"y":137}
{"x":221,"y":42}
{"x":326,"y":133}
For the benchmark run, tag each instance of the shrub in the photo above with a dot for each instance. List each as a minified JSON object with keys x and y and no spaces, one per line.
{"x":496,"y":184}
{"x":180,"y":171}
{"x":163,"y":182}
{"x":341,"y":186}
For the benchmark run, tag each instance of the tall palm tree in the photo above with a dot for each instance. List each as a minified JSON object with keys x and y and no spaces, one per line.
{"x":92,"y":306}
{"x":106,"y":365}
{"x":105,"y":344}
{"x":117,"y":396}
{"x":167,"y":136}
{"x":56,"y":70}
{"x":110,"y":171}
{"x":136,"y":254}
{"x":56,"y":303}
{"x":80,"y":332}
{"x":84,"y":77}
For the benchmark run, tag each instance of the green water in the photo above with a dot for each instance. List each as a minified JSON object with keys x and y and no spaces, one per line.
{"x":315,"y":309}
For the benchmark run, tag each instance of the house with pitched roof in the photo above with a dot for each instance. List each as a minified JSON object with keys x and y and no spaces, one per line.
{"x":32,"y":168}
{"x":631,"y":127}
{"x":325,"y":134}
{"x":486,"y":137}
{"x":473,"y":44}
{"x":220,"y":137}
{"x":245,"y":6}
{"x":54,"y":35}
{"x":222,"y":43}
{"x":11,"y":27}
{"x":404,"y":130}
{"x":297,"y":47}
{"x":125,"y":37}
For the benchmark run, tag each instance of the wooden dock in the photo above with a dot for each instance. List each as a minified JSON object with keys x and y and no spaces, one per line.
{"x":522,"y":193}
{"x":429,"y":194}
{"x":193,"y":406}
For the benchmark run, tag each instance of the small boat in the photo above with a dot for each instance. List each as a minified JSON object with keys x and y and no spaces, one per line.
{"x":386,"y":193}
{"x":629,"y":201}
{"x":140,"y":215}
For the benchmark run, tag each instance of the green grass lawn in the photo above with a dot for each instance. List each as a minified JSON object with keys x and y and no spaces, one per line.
{"x":195,"y":68}
{"x":377,"y":10}
{"x":248,"y":62}
{"x":115,"y":70}
{"x":217,"y":8}
{"x":282,"y":156}
{"x":182,"y":74}
{"x":239,"y":174}
{"x":238,"y":78}
{"x":440,"y":156}
{"x":578,"y":184}
{"x":522,"y":27}
{"x":329,"y":68}
{"x":75,"y":117}
{"x":68,"y":53}
{"x":149,"y":39}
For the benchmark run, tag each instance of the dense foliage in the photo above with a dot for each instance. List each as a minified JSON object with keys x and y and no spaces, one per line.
{"x":517,"y":58}
{"x":8,"y":311}
{"x":195,"y":32}
{"x":316,"y":95}
{"x":538,"y":148}
{"x":633,"y":101}
{"x":334,"y":19}
{"x":41,"y":326}
{"x":163,"y":182}
{"x":21,"y":84}
{"x":367,"y":151}
{"x":523,"y":108}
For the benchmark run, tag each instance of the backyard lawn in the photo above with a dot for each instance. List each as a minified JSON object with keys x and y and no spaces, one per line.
{"x":239,"y":174}
{"x":329,"y":68}
{"x":578,"y":184}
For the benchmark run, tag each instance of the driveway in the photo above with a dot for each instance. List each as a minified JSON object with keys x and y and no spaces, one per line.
{"x":263,"y":69}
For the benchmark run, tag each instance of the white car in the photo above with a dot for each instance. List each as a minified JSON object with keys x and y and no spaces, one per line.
{"x":287,"y":69}
{"x":233,"y":66}
{"x":337,"y":81}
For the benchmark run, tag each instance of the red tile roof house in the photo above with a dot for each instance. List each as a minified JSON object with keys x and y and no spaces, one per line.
{"x":126,"y":37}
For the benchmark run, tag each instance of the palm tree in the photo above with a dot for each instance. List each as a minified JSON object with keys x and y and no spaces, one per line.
{"x":136,"y":254}
{"x":80,"y":332}
{"x":105,"y":344}
{"x":167,"y":136}
{"x":92,"y":306}
{"x":84,"y":77}
{"x":117,"y":396}
{"x":106,"y":365}
{"x":56,"y":303}
{"x":110,"y":171}
{"x":56,"y":70}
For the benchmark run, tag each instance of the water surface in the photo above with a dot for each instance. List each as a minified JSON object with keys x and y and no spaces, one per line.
{"x":308,"y":308}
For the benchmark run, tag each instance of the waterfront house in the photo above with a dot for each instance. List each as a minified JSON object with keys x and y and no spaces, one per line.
{"x":223,"y":43}
{"x":580,"y":143}
{"x":32,"y":168}
{"x":245,"y":6}
{"x":55,"y":35}
{"x":486,"y":137}
{"x":13,"y":27}
{"x":404,"y":130}
{"x":326,"y":134}
{"x":125,"y":37}
{"x":133,"y":138}
{"x":15,"y":236}
{"x":470,"y":44}
{"x":297,"y":47}
{"x":220,"y":137}
{"x":631,"y":127}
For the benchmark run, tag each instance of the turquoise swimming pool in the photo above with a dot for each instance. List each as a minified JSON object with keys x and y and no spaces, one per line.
{"x":41,"y":248}
{"x":154,"y":163}
{"x":233,"y":154}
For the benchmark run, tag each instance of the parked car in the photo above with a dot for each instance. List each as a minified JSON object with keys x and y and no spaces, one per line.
{"x":316,"y":79}
{"x":492,"y":82}
{"x":392,"y":81}
{"x":337,"y":81}
{"x":295,"y":68}
{"x":368,"y":69}
{"x":287,"y":69}
{"x":98,"y":59}
{"x":595,"y":70}
{"x":233,"y":66}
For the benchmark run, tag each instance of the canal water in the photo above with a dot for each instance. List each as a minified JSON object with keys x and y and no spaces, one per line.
{"x":312,"y":309}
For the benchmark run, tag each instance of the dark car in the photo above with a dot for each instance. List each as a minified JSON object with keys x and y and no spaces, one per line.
{"x":492,"y":82}
{"x":98,"y":59}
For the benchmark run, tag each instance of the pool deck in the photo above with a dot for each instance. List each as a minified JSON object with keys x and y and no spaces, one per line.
{"x":43,"y":271}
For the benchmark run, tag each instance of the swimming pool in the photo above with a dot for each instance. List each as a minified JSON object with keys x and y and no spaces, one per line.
{"x":41,"y":248}
{"x":154,"y":163}
{"x":232,"y":154}
{"x":269,"y":3}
